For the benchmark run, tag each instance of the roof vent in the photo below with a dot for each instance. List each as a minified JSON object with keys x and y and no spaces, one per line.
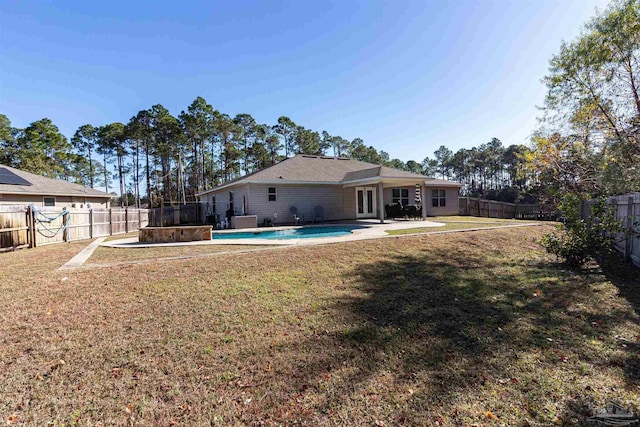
{"x":309,"y":157}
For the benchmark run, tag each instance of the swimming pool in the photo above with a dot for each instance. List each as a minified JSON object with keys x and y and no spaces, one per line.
{"x":294,"y":233}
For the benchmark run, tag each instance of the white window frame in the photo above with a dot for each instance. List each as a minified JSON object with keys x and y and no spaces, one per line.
{"x":44,"y":201}
{"x":274,"y":194}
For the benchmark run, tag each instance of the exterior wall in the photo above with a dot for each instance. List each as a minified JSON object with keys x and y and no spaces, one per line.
{"x":349,"y":197}
{"x":24,"y":200}
{"x":338,"y":203}
{"x":452,"y":208}
{"x":451,"y":194}
{"x":304,"y":197}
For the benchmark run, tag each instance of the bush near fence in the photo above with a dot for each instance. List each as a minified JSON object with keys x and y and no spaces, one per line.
{"x":20,"y":228}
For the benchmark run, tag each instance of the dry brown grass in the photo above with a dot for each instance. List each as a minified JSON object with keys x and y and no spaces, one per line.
{"x":122,"y":236}
{"x":448,"y":226}
{"x":460,"y":329}
{"x":105,"y":255}
{"x":478,"y":219}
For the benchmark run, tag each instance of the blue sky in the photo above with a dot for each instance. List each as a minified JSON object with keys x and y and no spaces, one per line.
{"x":405,"y":76}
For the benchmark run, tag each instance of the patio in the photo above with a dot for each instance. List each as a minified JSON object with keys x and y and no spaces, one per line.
{"x":371,"y":229}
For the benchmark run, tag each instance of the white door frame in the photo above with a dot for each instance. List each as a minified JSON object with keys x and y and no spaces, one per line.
{"x":374,"y":205}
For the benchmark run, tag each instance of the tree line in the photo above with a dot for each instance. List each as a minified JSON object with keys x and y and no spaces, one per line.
{"x":588,"y":143}
{"x":163,"y":158}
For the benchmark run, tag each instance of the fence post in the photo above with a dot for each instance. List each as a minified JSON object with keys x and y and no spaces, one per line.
{"x":628,"y":235}
{"x":65,"y":224}
{"x":139,"y":219}
{"x":126,"y":220}
{"x":91,"y":223}
{"x":31,"y":224}
{"x":110,"y":223}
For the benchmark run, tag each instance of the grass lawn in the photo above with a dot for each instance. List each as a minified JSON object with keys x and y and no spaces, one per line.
{"x":449,"y":226}
{"x":451,"y":329}
{"x":122,"y":236}
{"x":476,"y":219}
{"x":457,"y":223}
{"x":105,"y":255}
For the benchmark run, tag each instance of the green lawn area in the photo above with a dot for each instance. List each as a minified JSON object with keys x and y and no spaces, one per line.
{"x":447,"y":227}
{"x":445,"y":329}
{"x":460,"y":218}
{"x":457,"y":223}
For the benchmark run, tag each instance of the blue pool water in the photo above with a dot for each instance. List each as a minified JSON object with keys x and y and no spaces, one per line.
{"x":295,"y":233}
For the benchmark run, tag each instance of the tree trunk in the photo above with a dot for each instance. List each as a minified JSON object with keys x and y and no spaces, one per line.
{"x":90,"y":167}
{"x":106,"y":174}
{"x":148,"y":175}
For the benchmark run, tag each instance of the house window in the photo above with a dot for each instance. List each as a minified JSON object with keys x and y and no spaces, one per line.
{"x":400,"y":195}
{"x":438,"y":198}
{"x":271,"y":193}
{"x":49,"y":201}
{"x":213,"y":205}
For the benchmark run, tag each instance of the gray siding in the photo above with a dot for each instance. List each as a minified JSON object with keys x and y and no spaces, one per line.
{"x":349,"y":197}
{"x":451,"y":194}
{"x":304,"y":197}
{"x":339,"y":203}
{"x":452,"y":207}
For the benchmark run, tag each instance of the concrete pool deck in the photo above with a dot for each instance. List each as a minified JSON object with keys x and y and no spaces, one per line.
{"x":371,"y":229}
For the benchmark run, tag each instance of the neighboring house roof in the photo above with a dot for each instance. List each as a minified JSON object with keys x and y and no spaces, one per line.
{"x":303,"y":169}
{"x":16,"y":181}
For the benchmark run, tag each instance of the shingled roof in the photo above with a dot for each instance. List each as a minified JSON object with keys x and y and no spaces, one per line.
{"x":304,"y":168}
{"x":16,"y":181}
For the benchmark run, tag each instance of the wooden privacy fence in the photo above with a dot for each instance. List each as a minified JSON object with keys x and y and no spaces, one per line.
{"x":627,"y":211}
{"x":33,"y":227}
{"x":494,"y":209}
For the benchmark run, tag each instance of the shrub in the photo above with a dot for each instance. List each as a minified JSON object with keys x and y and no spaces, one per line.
{"x":584,"y":233}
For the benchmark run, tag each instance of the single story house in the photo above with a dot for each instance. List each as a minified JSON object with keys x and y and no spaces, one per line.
{"x":20,"y":188}
{"x":345,"y":188}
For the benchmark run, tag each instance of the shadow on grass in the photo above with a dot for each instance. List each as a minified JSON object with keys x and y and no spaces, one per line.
{"x":626,"y":278}
{"x":452,"y":324}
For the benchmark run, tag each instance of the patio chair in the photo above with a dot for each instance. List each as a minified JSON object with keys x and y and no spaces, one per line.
{"x":413,"y":211}
{"x":294,"y":216}
{"x":318,"y":214}
{"x":393,"y":210}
